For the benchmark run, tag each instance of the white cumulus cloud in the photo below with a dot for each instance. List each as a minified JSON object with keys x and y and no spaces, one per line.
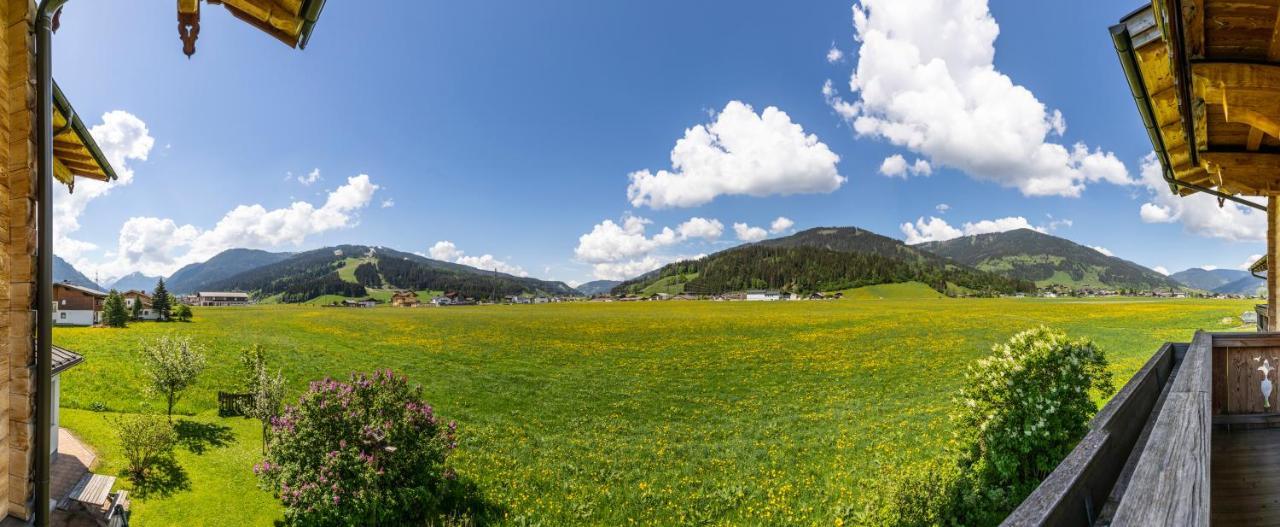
{"x":123,"y":138}
{"x":748,"y":233}
{"x":937,"y":229}
{"x":834,"y":54}
{"x":925,"y":80}
{"x":781,"y":224}
{"x":1160,"y":269}
{"x":896,"y":166}
{"x":1102,"y":250}
{"x":447,"y":251}
{"x":1199,"y":213}
{"x":707,"y":229}
{"x":942,"y":208}
{"x":311,"y":177}
{"x":159,"y":246}
{"x":741,"y":153}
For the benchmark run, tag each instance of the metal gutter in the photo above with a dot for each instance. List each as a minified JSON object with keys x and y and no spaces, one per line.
{"x":1124,"y":50}
{"x":44,"y":257}
{"x":73,"y":121}
{"x":310,"y":13}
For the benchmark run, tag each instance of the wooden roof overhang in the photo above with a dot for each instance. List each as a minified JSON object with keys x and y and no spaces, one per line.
{"x":290,"y":21}
{"x":75,"y":153}
{"x":1206,"y":77}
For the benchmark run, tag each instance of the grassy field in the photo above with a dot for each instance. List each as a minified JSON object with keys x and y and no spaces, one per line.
{"x":715,"y":413}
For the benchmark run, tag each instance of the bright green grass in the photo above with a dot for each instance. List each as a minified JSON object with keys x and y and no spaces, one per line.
{"x":724,"y":413}
{"x":903,"y":291}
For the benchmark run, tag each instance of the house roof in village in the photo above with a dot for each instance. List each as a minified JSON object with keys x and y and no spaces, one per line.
{"x":75,"y":153}
{"x":223,"y":293}
{"x":1206,"y":77}
{"x":83,"y":289}
{"x":64,"y":359}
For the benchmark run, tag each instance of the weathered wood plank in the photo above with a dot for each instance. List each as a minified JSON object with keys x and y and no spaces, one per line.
{"x":1170,"y":484}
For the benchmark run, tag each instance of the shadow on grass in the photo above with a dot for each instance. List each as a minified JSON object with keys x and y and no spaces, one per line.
{"x":163,"y":478}
{"x":463,"y":505}
{"x":196,"y":437}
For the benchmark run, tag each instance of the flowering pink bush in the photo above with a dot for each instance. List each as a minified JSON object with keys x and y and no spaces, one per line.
{"x":362,"y":452}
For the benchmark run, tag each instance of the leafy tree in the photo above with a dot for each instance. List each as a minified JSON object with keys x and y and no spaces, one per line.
{"x":145,"y":439}
{"x":1021,"y":411}
{"x":183,"y":313}
{"x":374,"y":446}
{"x":267,"y":389}
{"x":171,"y":365}
{"x":113,"y":311}
{"x":160,"y":300}
{"x":135,"y":311}
{"x":367,"y":275}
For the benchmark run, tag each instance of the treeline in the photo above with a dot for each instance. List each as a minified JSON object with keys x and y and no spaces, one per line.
{"x":367,"y":275}
{"x":408,"y":274}
{"x":297,"y":279}
{"x":813,"y":269}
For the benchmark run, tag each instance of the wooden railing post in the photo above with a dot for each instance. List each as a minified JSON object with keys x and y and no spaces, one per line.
{"x":1273,"y":263}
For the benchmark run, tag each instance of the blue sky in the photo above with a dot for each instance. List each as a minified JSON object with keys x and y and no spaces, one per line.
{"x":510,"y":130}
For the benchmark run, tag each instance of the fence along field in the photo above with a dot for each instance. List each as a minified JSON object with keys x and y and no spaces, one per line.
{"x":654,"y":413}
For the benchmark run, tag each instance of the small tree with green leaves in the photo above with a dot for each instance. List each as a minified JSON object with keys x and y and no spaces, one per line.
{"x":266,"y":388}
{"x":145,"y":439}
{"x":160,"y":301}
{"x":171,"y":365}
{"x":113,"y":311}
{"x":135,"y":310}
{"x":182,"y":313}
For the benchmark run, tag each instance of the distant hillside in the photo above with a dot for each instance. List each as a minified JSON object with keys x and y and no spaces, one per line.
{"x":346,"y":270}
{"x":1048,"y":261}
{"x":135,"y":281}
{"x":821,"y":259}
{"x":597,"y":287}
{"x":65,"y":272}
{"x":1208,"y":280}
{"x":1247,"y":285}
{"x":196,"y":277}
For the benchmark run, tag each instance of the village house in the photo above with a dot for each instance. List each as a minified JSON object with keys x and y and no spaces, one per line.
{"x":763,"y":296}
{"x":405,"y":299}
{"x":221,"y":298}
{"x":75,"y":305}
{"x":132,"y":297}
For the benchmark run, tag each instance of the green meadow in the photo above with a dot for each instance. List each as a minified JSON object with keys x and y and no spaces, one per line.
{"x":648,"y":413}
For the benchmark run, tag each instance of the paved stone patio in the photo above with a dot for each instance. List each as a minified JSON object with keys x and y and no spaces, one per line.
{"x":71,"y":463}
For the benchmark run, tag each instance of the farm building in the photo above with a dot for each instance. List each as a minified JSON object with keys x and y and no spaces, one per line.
{"x":405,"y":299}
{"x":763,"y":296}
{"x":139,"y":297}
{"x":76,"y":305}
{"x":1190,"y":438}
{"x":221,"y":298}
{"x":362,"y":302}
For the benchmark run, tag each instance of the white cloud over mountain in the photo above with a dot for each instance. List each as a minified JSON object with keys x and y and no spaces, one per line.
{"x":616,"y":251}
{"x":159,"y":246}
{"x":925,"y":80}
{"x":741,"y":153}
{"x":1199,"y":213}
{"x":748,"y":233}
{"x":781,"y":225}
{"x":447,"y":251}
{"x":937,"y":229}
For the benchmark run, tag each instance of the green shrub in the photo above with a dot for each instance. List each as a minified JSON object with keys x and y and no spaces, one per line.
{"x":182,"y":313}
{"x":145,"y":440}
{"x":364,"y":452}
{"x":1021,"y":411}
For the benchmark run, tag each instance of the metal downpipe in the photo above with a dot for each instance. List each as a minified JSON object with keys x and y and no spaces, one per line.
{"x":44,"y":259}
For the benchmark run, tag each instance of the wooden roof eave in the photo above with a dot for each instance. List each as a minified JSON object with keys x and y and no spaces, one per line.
{"x":90,"y":156}
{"x":1143,"y":27}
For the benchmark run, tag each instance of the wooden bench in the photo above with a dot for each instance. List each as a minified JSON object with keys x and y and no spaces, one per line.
{"x":92,"y":495}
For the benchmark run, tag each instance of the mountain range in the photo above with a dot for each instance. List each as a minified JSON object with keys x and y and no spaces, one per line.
{"x":1049,"y":261}
{"x":1225,"y":281}
{"x":819,"y":259}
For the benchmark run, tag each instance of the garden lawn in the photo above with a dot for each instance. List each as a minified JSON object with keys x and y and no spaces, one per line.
{"x":719,"y":413}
